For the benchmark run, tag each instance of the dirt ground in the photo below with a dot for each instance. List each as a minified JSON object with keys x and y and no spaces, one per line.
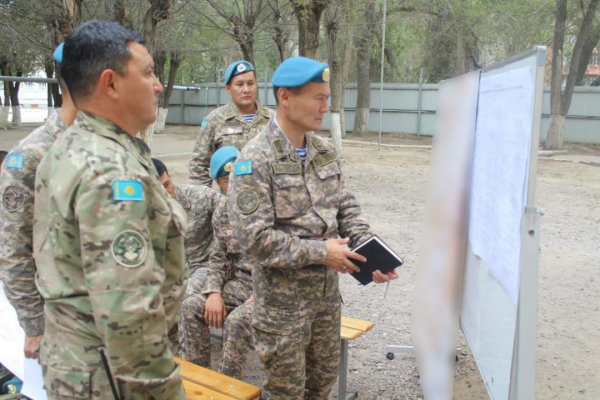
{"x":391,"y":184}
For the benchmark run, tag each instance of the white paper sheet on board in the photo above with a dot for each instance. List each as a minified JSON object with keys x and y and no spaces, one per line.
{"x":12,"y":341}
{"x":500,"y":170}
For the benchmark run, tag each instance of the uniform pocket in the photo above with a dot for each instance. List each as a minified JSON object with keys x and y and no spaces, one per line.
{"x":290,"y":195}
{"x":64,"y":382}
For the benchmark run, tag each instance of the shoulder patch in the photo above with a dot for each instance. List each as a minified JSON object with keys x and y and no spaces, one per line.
{"x":247,"y":201}
{"x":129,"y":249}
{"x":204,"y":123}
{"x":243,"y":168}
{"x":15,"y":161}
{"x":128,"y":190}
{"x":13,"y":198}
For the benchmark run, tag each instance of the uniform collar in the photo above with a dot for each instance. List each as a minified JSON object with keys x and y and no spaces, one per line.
{"x":233,"y":112}
{"x":54,"y":125}
{"x":283,"y":147}
{"x":109,"y":130}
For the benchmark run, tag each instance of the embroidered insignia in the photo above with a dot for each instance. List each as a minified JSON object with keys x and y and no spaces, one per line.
{"x":287,"y":168}
{"x":325,"y":75}
{"x":228,"y":166}
{"x":128,"y":190}
{"x":204,"y":123}
{"x":15,"y":161}
{"x":241,"y":68}
{"x":318,"y":144}
{"x":247,"y":201}
{"x":278,"y":145}
{"x":129,"y":249}
{"x":324,"y":159}
{"x":243,"y":168}
{"x":13,"y":198}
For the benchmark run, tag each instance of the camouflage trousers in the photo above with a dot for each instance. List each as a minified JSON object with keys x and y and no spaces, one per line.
{"x":302,"y":364}
{"x":237,"y":341}
{"x":194,"y":333}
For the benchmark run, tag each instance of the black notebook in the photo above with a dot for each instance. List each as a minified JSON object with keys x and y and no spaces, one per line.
{"x":379,"y":257}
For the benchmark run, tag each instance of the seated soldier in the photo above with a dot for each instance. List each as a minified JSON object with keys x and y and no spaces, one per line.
{"x":199,"y":202}
{"x":226,"y":286}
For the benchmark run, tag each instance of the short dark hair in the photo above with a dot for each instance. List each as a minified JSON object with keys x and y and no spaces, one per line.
{"x":92,"y":48}
{"x":160,"y":166}
{"x":295,"y":90}
{"x":3,"y":155}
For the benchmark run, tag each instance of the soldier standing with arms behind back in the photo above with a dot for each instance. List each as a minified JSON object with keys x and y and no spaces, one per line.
{"x":232,"y":124}
{"x":293,"y":216}
{"x":17,"y":266}
{"x":108,"y":239}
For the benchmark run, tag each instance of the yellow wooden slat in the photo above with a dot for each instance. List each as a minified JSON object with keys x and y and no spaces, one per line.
{"x":357,"y":324}
{"x":194,"y":391}
{"x":218,"y":382}
{"x":349,"y":333}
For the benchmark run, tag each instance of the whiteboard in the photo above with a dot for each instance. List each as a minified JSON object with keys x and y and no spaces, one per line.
{"x":495,"y":297}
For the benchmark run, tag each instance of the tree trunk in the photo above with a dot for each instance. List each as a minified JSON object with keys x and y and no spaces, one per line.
{"x":363,"y":68}
{"x":2,"y":125}
{"x":345,"y":71}
{"x":332,"y":27}
{"x":561,"y":102}
{"x":309,"y":14}
{"x":163,"y":110}
{"x":116,"y":11}
{"x":591,"y":41}
{"x":13,"y":88}
{"x":49,"y":67}
{"x":6,"y":72}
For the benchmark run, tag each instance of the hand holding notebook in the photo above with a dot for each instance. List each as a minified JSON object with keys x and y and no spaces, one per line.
{"x":380,"y":257}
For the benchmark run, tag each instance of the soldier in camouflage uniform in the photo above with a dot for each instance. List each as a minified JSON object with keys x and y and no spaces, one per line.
{"x":108,"y":239}
{"x":226,"y":286}
{"x":289,"y":207}
{"x":199,"y":203}
{"x":232,"y":124}
{"x":17,"y":266}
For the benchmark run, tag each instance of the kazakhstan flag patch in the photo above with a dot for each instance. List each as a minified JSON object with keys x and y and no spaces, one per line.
{"x":15,"y":161}
{"x":128,"y":190}
{"x":243,"y":168}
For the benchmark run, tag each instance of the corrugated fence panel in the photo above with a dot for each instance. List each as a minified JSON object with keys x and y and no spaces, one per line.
{"x":400,"y":108}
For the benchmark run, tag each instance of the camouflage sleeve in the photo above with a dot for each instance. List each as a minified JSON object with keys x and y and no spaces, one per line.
{"x":124,"y":281}
{"x":252,"y":216}
{"x":199,"y":166}
{"x":16,"y":250}
{"x":352,"y":223}
{"x":216,"y":273}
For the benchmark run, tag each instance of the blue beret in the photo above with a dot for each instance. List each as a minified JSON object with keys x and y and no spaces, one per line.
{"x":222,"y":161}
{"x":237,"y":68}
{"x":297,"y":71}
{"x":58,"y":53}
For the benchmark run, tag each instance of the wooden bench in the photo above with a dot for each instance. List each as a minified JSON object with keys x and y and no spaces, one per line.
{"x":351,"y":329}
{"x":205,"y":384}
{"x":207,"y":379}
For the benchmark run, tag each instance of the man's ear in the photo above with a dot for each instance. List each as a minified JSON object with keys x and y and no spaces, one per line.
{"x":108,"y":83}
{"x":284,"y":96}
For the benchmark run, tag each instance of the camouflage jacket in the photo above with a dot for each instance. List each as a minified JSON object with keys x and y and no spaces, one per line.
{"x":17,"y":267}
{"x":224,"y":126}
{"x":226,"y":257}
{"x":109,"y":245}
{"x":199,"y":202}
{"x":282,"y":212}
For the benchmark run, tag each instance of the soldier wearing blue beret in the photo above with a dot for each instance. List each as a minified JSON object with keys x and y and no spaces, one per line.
{"x":232,"y":124}
{"x":293,"y":217}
